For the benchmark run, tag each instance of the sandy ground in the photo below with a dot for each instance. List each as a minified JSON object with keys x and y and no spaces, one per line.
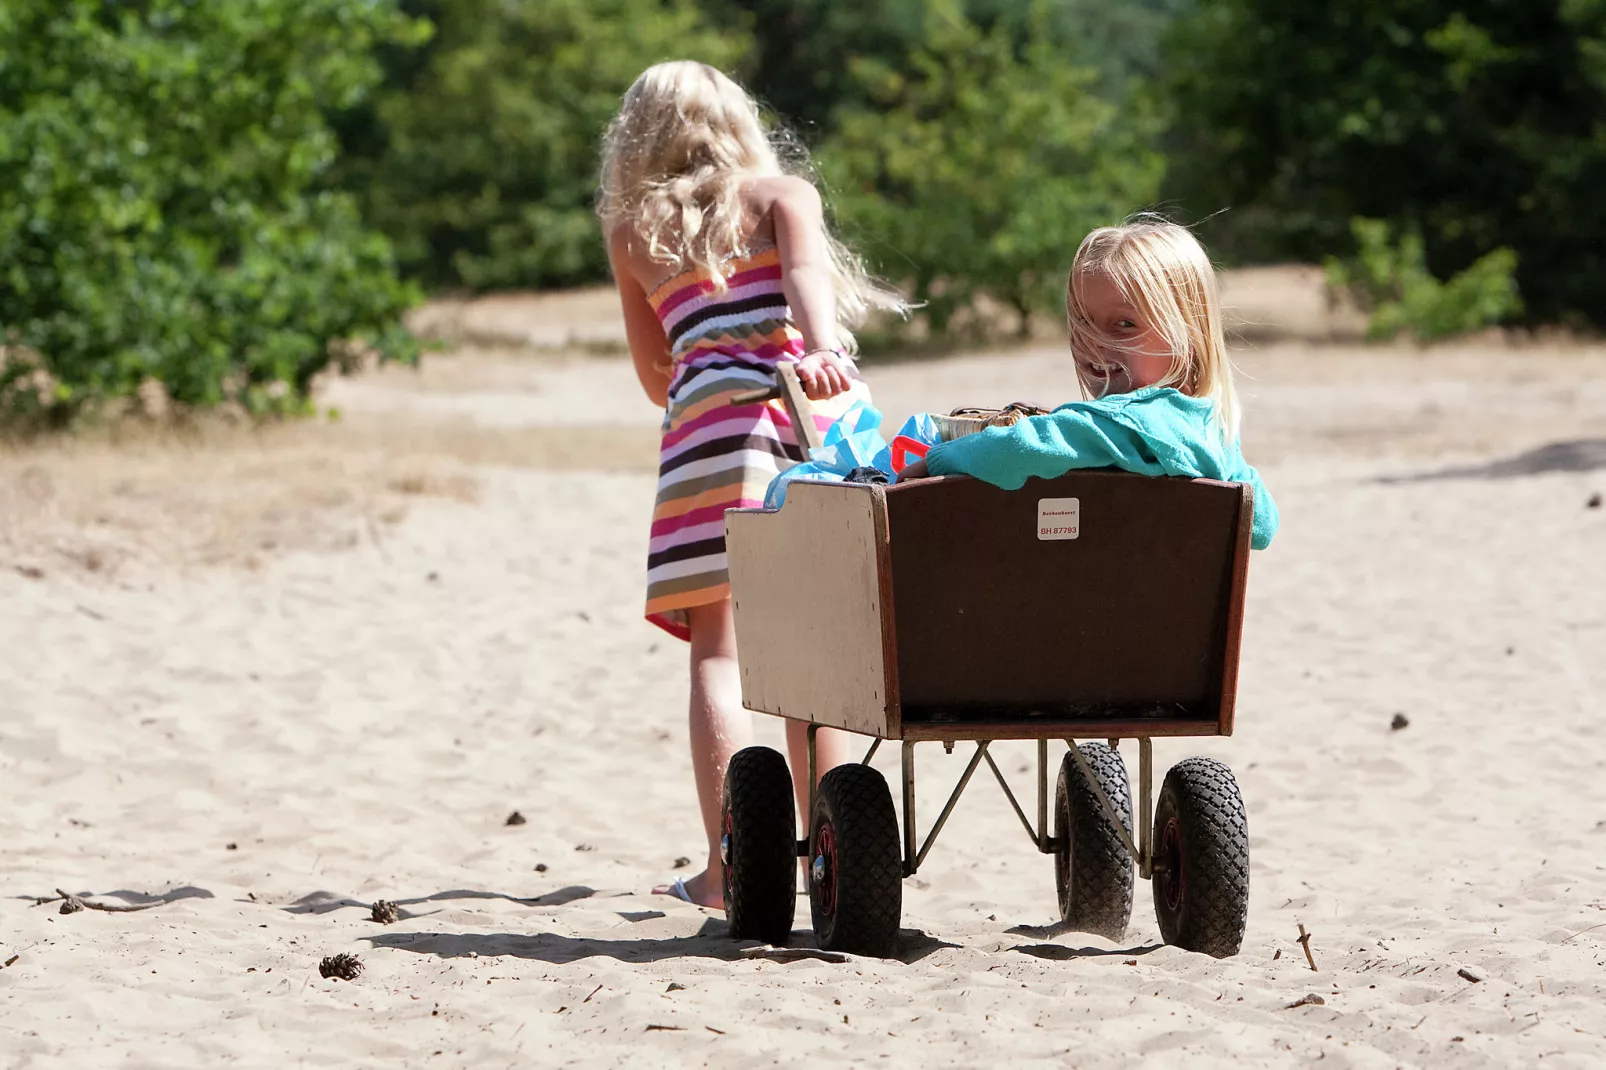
{"x":261,"y":680}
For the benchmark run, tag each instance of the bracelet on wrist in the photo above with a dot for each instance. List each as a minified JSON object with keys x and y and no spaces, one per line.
{"x":836,"y":351}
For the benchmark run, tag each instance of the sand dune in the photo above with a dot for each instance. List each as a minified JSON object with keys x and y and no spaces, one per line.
{"x":444,"y":627}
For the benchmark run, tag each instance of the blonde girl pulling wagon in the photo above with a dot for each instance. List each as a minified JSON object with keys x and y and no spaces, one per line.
{"x":725,"y":268}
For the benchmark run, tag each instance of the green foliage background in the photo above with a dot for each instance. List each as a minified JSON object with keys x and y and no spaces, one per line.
{"x":967,"y":141}
{"x":1389,"y":278}
{"x":978,"y":163}
{"x":957,"y":132}
{"x":228,"y":197}
{"x":1478,"y":126}
{"x":161,"y":211}
{"x":478,"y":156}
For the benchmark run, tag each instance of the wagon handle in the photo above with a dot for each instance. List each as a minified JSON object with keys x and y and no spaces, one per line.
{"x":789,"y":388}
{"x":904,"y":447}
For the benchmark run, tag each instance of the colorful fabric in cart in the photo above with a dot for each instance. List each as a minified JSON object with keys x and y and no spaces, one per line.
{"x":1155,"y":431}
{"x":854,"y":441}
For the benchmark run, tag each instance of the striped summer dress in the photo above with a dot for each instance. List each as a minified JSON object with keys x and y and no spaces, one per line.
{"x":716,"y":456}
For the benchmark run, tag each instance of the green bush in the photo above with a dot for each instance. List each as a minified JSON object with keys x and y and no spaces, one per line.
{"x":804,"y":51}
{"x":1389,"y":279}
{"x":160,"y":216}
{"x":800,"y":63}
{"x":978,"y":166}
{"x":479,"y":157}
{"x":1120,"y":40}
{"x":1476,"y":126}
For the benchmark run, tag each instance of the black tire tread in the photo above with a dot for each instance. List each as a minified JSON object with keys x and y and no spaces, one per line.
{"x":1215,"y":837}
{"x":762,"y":899}
{"x":1099,"y":897}
{"x":869,"y":876}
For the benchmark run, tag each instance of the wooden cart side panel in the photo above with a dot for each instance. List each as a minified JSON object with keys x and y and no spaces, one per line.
{"x":997,"y":625}
{"x":807,"y":593}
{"x":1235,"y":610}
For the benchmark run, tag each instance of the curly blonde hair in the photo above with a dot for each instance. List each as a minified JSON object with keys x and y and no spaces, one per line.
{"x":673,"y":162}
{"x":1163,"y":270}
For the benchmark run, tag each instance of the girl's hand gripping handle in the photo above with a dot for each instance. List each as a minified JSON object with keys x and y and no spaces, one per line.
{"x":790,"y":389}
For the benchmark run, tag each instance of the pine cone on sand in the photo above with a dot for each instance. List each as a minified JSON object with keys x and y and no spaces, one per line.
{"x":385,"y":912}
{"x":345,"y":966}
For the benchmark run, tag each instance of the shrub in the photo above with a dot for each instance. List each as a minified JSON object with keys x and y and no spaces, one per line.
{"x":1389,"y":279}
{"x":161,"y":216}
{"x":1476,"y":126}
{"x":479,"y":157}
{"x":979,"y":165}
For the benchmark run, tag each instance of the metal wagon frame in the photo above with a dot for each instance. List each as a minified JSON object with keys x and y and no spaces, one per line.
{"x":1141,"y":851}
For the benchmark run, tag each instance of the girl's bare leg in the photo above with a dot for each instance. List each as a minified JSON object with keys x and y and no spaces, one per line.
{"x":719,"y":728}
{"x":831,"y":748}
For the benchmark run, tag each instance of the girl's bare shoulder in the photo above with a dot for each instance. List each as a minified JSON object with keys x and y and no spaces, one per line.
{"x":627,"y":250}
{"x":623,"y":241}
{"x":787,"y":192}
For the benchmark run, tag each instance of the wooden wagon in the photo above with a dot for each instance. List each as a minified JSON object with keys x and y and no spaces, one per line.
{"x":1097,"y":606}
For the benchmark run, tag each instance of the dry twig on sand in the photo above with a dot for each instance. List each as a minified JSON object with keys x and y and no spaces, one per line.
{"x":1304,"y":942}
{"x":72,"y":904}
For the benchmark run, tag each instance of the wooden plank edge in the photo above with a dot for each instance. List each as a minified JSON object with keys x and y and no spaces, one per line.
{"x":891,"y":702}
{"x":1048,"y":728}
{"x":1233,"y":645}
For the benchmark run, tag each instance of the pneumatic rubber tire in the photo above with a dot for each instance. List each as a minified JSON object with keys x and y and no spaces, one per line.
{"x":758,"y":846}
{"x":1201,"y":859}
{"x":856,"y":868}
{"x":1093,"y":870}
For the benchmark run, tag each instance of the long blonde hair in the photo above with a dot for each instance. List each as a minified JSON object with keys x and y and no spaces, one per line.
{"x":673,"y":163}
{"x":1163,"y":270}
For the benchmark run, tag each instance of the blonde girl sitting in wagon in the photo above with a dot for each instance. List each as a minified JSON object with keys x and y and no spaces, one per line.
{"x":1146,"y":334}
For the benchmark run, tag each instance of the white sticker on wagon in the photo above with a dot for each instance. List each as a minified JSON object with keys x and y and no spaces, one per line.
{"x":1059,"y":518}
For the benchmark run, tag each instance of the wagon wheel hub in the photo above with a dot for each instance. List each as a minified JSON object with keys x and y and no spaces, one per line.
{"x":823,"y":870}
{"x":1169,"y":869}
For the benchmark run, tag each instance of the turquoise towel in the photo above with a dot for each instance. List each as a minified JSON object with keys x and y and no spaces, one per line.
{"x":1156,"y":431}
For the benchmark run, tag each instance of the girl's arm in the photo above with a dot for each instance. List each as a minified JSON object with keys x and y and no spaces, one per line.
{"x":806,"y":279}
{"x":649,"y":347}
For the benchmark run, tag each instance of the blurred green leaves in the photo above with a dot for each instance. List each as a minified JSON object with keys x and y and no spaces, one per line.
{"x":479,"y":157}
{"x":161,"y":216}
{"x":1388,"y":278}
{"x":974,"y":167}
{"x":222,"y":196}
{"x":1475,"y":126}
{"x":967,"y":154}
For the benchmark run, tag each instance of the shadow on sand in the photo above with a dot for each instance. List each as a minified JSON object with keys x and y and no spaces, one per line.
{"x":129,"y":898}
{"x":1580,"y":455}
{"x":1062,"y":952}
{"x":324,"y":902}
{"x":712,"y":941}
